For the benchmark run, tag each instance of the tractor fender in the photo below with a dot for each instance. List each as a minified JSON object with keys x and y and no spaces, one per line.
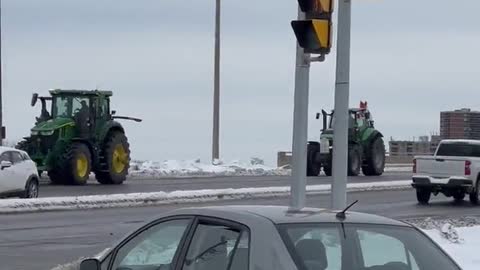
{"x":109,"y":127}
{"x":373,"y":136}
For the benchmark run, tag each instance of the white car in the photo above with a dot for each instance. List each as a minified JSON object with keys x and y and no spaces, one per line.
{"x":18,"y":174}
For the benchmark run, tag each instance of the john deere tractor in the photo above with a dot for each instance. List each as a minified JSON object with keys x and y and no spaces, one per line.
{"x":78,"y":136}
{"x":366,"y":148}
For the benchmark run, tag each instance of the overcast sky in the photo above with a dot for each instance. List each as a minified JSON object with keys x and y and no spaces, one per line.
{"x":410,"y":59}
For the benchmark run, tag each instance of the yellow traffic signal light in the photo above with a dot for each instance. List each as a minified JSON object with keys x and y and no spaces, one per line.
{"x":314,"y":34}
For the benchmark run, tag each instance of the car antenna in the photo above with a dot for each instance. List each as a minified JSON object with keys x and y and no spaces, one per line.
{"x":341,"y":215}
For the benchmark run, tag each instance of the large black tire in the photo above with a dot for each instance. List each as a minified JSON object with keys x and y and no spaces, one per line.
{"x":375,"y":159}
{"x":116,"y":154}
{"x":56,"y":177}
{"x":313,"y":167}
{"x":354,"y":162}
{"x":74,"y":166}
{"x":327,"y":170}
{"x":423,"y":196}
{"x":474,"y":195}
{"x":458,"y":197}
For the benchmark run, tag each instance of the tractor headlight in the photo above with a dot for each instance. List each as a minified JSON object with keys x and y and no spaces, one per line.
{"x":47,"y":133}
{"x":34,"y":133}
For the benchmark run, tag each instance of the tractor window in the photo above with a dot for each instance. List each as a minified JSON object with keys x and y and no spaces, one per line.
{"x":80,"y":104}
{"x":61,"y":107}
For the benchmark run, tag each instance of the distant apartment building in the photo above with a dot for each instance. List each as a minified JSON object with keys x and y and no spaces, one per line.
{"x":460,"y":124}
{"x":424,"y":146}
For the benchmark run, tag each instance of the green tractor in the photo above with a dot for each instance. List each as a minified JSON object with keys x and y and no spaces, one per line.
{"x":80,"y":136}
{"x":366,"y":148}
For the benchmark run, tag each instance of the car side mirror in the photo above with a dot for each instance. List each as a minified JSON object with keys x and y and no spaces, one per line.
{"x":317,"y":116}
{"x":5,"y":164}
{"x":90,"y":264}
{"x":34,"y":99}
{"x":114,"y":112}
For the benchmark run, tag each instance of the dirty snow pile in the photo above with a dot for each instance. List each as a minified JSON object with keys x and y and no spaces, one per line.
{"x":197,"y":168}
{"x":188,"y":168}
{"x":461,"y":243}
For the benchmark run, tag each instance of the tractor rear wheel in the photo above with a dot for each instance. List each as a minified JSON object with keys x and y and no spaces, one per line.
{"x":116,"y":154}
{"x":375,"y":161}
{"x":313,"y":167}
{"x":354,"y":162}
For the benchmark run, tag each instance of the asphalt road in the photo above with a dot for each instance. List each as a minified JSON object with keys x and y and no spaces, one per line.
{"x":44,"y":240}
{"x":152,"y":185}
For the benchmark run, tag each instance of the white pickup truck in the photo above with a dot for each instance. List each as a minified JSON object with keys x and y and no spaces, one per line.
{"x":454,"y":171}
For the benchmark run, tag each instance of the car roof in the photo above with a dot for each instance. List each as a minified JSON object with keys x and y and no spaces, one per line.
{"x":5,"y":148}
{"x":477,"y":142}
{"x":283,"y":214}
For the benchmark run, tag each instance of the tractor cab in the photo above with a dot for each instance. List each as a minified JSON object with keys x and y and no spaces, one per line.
{"x":359,"y":118}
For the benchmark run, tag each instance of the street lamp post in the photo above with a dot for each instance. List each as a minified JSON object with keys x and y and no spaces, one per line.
{"x":216,"y":90}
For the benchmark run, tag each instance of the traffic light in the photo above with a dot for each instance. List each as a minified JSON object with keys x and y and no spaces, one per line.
{"x":314,"y":34}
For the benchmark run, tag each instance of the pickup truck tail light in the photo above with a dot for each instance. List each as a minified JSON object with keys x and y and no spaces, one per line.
{"x":414,"y":166}
{"x":468,"y":171}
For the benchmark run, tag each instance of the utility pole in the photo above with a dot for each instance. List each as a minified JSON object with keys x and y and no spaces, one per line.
{"x":342,"y":88}
{"x":300,"y":127}
{"x":216,"y":90}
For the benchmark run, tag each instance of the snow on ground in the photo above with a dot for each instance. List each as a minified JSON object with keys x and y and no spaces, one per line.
{"x":189,"y":168}
{"x":459,"y":242}
{"x":180,"y":196}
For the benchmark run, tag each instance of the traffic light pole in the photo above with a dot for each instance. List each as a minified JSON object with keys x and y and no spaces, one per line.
{"x":300,"y":128}
{"x":216,"y":87}
{"x":342,"y":88}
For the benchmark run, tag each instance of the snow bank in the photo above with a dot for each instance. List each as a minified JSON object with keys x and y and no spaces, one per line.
{"x":461,"y":243}
{"x":171,"y":168}
{"x":181,"y":196}
{"x":195,"y":168}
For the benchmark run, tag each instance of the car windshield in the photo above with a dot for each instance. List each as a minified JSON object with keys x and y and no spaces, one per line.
{"x":458,"y":150}
{"x":362,"y":247}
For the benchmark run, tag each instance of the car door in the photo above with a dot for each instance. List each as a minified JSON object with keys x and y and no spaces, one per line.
{"x":154,"y":247}
{"x":7,"y":176}
{"x":21,"y":171}
{"x":216,"y":245}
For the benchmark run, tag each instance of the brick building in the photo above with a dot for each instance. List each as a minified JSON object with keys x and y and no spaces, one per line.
{"x":460,"y":124}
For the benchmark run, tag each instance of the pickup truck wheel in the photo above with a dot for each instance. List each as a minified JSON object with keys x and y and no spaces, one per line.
{"x":459,"y":196}
{"x":474,"y":195}
{"x":423,"y":196}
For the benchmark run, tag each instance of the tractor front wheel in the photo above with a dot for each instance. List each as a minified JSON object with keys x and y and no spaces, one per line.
{"x":116,"y":154}
{"x":354,"y":162}
{"x":79,"y":163}
{"x":375,"y":164}
{"x":74,"y":166}
{"x":313,"y":167}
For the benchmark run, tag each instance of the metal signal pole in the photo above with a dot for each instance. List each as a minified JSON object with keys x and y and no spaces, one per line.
{"x":300,"y":128}
{"x":342,"y":88}
{"x":216,"y":90}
